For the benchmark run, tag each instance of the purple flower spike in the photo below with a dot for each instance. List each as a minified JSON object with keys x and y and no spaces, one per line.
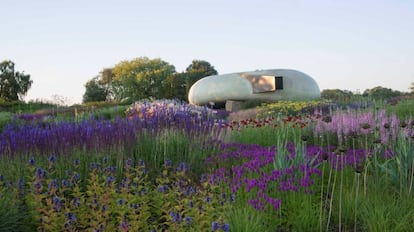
{"x":215,"y":226}
{"x":226,"y":227}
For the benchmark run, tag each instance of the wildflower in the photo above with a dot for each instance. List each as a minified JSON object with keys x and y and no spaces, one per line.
{"x":120,"y":201}
{"x":65,"y":183}
{"x":162,"y":189}
{"x":175,"y":217}
{"x":141,"y":163}
{"x":40,"y":173}
{"x":167,"y":164}
{"x":70,"y":216}
{"x":76,"y":202}
{"x":76,"y":162}
{"x":32,"y":161}
{"x":92,"y":166}
{"x":75,"y":178}
{"x":53,"y":186}
{"x":182,"y":167}
{"x":226,"y":227}
{"x":203,"y":178}
{"x":215,"y":226}
{"x":57,"y":204}
{"x":128,"y":163}
{"x":188,"y":220}
{"x":52,"y":159}
{"x":208,"y":199}
{"x":386,"y":125}
{"x":105,"y":160}
{"x":124,"y":226}
{"x":403,"y":124}
{"x":110,"y":180}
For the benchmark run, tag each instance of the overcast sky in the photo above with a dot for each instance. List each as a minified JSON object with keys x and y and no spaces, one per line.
{"x":352,"y":44}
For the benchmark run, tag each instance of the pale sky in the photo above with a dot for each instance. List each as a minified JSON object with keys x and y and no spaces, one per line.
{"x":352,"y":44}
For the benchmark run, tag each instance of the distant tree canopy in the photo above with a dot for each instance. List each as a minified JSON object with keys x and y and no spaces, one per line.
{"x":13,"y":85}
{"x":95,"y":91}
{"x":336,"y":94}
{"x":412,"y":88}
{"x":381,"y":93}
{"x":142,"y":78}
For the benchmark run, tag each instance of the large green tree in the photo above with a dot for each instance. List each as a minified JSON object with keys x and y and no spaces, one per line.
{"x":197,"y":70}
{"x":13,"y":85}
{"x":94,"y":91}
{"x":141,"y":78}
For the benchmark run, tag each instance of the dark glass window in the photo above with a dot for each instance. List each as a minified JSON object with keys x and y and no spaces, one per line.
{"x":279,"y":82}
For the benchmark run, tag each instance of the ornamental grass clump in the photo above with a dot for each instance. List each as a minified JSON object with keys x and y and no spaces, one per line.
{"x":136,"y":201}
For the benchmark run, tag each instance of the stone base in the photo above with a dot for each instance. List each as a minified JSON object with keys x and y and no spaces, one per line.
{"x":233,"y":106}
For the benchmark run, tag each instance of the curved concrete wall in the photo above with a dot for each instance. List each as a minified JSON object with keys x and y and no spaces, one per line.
{"x":236,"y":87}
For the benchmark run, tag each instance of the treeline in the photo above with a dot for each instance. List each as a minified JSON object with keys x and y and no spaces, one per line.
{"x":143,"y":78}
{"x":376,"y":93}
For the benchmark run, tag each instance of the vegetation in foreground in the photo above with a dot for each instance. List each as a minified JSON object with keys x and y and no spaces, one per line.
{"x":342,"y":169}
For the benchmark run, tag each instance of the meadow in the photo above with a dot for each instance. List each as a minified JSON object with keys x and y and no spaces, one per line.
{"x":169,"y":166}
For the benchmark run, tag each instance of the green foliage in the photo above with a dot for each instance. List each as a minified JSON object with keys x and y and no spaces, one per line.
{"x":94,"y":91}
{"x":5,"y":118}
{"x":141,"y":78}
{"x":381,"y":93}
{"x":13,"y":85}
{"x":336,"y":95}
{"x":403,"y":109}
{"x":287,"y":107}
{"x":168,"y":200}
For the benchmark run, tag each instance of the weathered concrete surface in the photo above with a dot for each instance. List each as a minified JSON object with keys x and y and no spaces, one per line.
{"x":254,"y":85}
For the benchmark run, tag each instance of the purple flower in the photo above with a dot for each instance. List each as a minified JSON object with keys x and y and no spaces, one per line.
{"x":188,"y":220}
{"x":52,"y":159}
{"x":40,"y":173}
{"x":124,"y":226}
{"x":167,"y":164}
{"x":75,"y":178}
{"x":141,"y":163}
{"x":120,"y":201}
{"x":70,"y":216}
{"x":128,"y":163}
{"x":226,"y":227}
{"x":76,"y":202}
{"x":57,"y":203}
{"x":110,"y":180}
{"x":65,"y":183}
{"x":105,"y":160}
{"x":32,"y":161}
{"x":162,"y":188}
{"x":215,"y":226}
{"x":76,"y":162}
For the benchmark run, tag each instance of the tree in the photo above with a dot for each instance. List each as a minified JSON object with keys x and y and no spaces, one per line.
{"x":412,"y":88}
{"x":381,"y":93}
{"x":197,"y":70}
{"x":141,"y":78}
{"x":336,"y":95}
{"x":13,"y":85}
{"x":106,"y":78}
{"x":94,"y":91}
